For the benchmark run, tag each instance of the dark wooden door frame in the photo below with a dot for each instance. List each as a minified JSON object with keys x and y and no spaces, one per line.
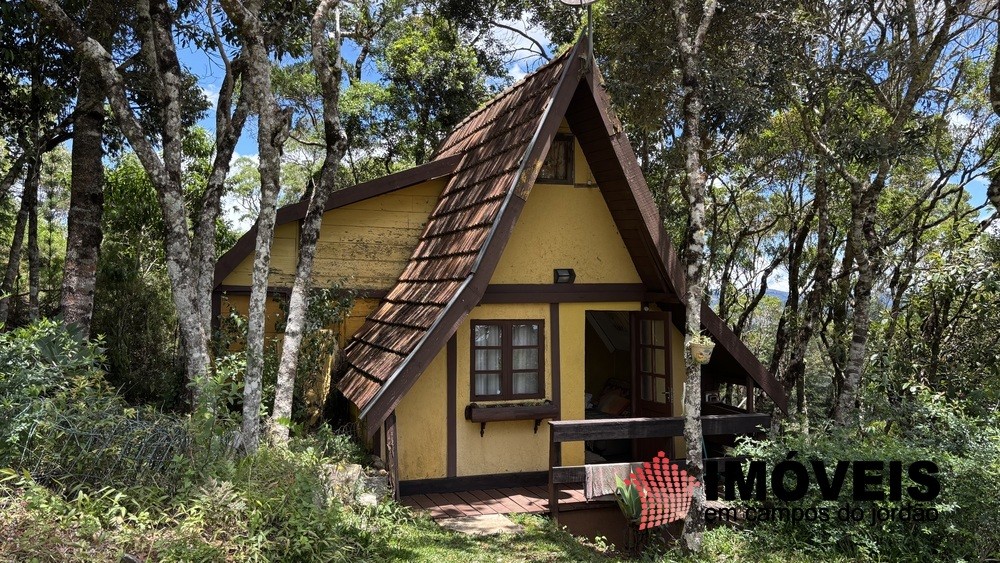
{"x":635,"y":318}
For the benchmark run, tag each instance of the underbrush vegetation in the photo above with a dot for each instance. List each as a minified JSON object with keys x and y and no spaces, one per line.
{"x":87,"y":477}
{"x":966,"y":451}
{"x":84,"y":476}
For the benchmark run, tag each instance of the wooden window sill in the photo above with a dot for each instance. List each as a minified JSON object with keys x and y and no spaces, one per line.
{"x":483,"y":414}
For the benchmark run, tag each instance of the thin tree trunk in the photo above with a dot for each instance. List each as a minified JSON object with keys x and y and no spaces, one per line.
{"x":270,"y":170}
{"x":795,"y":373}
{"x":11,"y":176}
{"x":271,"y":134}
{"x":34,"y":260}
{"x":328,"y":71}
{"x":862,"y":229}
{"x":83,"y":238}
{"x":16,"y":245}
{"x":691,"y":59}
{"x":229,"y":123}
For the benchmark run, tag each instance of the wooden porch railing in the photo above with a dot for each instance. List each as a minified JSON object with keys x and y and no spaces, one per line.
{"x":561,"y":431}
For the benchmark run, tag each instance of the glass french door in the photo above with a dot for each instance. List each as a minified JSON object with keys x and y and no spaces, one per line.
{"x":651,"y":382}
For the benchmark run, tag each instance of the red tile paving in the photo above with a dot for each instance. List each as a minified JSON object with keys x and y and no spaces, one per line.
{"x":518,"y":500}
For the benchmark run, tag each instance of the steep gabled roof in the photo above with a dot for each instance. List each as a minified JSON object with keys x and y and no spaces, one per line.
{"x":501,"y":148}
{"x":618,"y":175}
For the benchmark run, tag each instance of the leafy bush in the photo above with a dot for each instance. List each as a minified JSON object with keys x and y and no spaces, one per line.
{"x":271,"y":506}
{"x":966,"y":451}
{"x":36,"y":362}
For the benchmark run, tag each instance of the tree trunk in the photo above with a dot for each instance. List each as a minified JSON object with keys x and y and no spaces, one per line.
{"x":271,"y":135}
{"x":269,"y":139}
{"x":691,"y":59}
{"x":229,"y":123}
{"x":83,"y":238}
{"x":328,"y":71}
{"x":188,"y":262}
{"x":822,"y":272}
{"x":16,"y":245}
{"x":34,"y":261}
{"x":862,"y":231}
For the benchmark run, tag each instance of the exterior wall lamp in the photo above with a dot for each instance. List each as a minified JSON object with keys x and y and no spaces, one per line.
{"x":564,"y":275}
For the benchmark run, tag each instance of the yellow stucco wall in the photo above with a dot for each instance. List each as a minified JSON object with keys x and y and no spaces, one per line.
{"x":364,"y":245}
{"x":561,"y":226}
{"x":564,"y":226}
{"x":507,"y":446}
{"x":421,"y":426}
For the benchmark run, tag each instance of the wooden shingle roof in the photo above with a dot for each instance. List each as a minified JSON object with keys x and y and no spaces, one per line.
{"x":494,"y":144}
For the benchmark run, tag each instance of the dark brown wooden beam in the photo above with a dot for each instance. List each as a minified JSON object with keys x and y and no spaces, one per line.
{"x":451,"y":360}
{"x":474,"y":483}
{"x":578,"y":473}
{"x":554,"y":358}
{"x":631,"y":428}
{"x":565,"y":293}
{"x":285,"y":290}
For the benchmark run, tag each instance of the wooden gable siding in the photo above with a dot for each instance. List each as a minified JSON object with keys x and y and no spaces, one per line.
{"x":369,"y":243}
{"x":364,"y":245}
{"x":284,"y":254}
{"x":295,"y":212}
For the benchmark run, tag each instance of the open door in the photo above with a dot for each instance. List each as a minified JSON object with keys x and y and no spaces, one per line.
{"x":652,"y":392}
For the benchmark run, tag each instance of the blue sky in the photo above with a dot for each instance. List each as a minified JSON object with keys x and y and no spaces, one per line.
{"x":208,"y":68}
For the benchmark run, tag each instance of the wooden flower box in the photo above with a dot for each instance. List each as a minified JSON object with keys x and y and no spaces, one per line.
{"x":483,"y":414}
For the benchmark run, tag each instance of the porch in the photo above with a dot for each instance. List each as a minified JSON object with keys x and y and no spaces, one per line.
{"x":514,"y":500}
{"x":565,"y":491}
{"x":560,"y":431}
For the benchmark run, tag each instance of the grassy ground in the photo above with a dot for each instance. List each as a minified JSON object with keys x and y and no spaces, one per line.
{"x":423,"y":540}
{"x":29,"y":532}
{"x":39,"y":526}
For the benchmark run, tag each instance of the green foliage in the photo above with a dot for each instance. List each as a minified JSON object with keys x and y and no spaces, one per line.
{"x":967,"y":451}
{"x":319,"y":354}
{"x":270,"y":508}
{"x":434,"y":82}
{"x":133,"y":308}
{"x":36,"y":363}
{"x":125,"y":477}
{"x":628,"y":500}
{"x":943,"y":338}
{"x":66,"y":425}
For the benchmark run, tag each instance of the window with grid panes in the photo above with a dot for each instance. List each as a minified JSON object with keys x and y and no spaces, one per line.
{"x":507,"y":360}
{"x":558,"y":165}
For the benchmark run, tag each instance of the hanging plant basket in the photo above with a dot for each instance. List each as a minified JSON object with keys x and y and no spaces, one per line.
{"x":701,"y":349}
